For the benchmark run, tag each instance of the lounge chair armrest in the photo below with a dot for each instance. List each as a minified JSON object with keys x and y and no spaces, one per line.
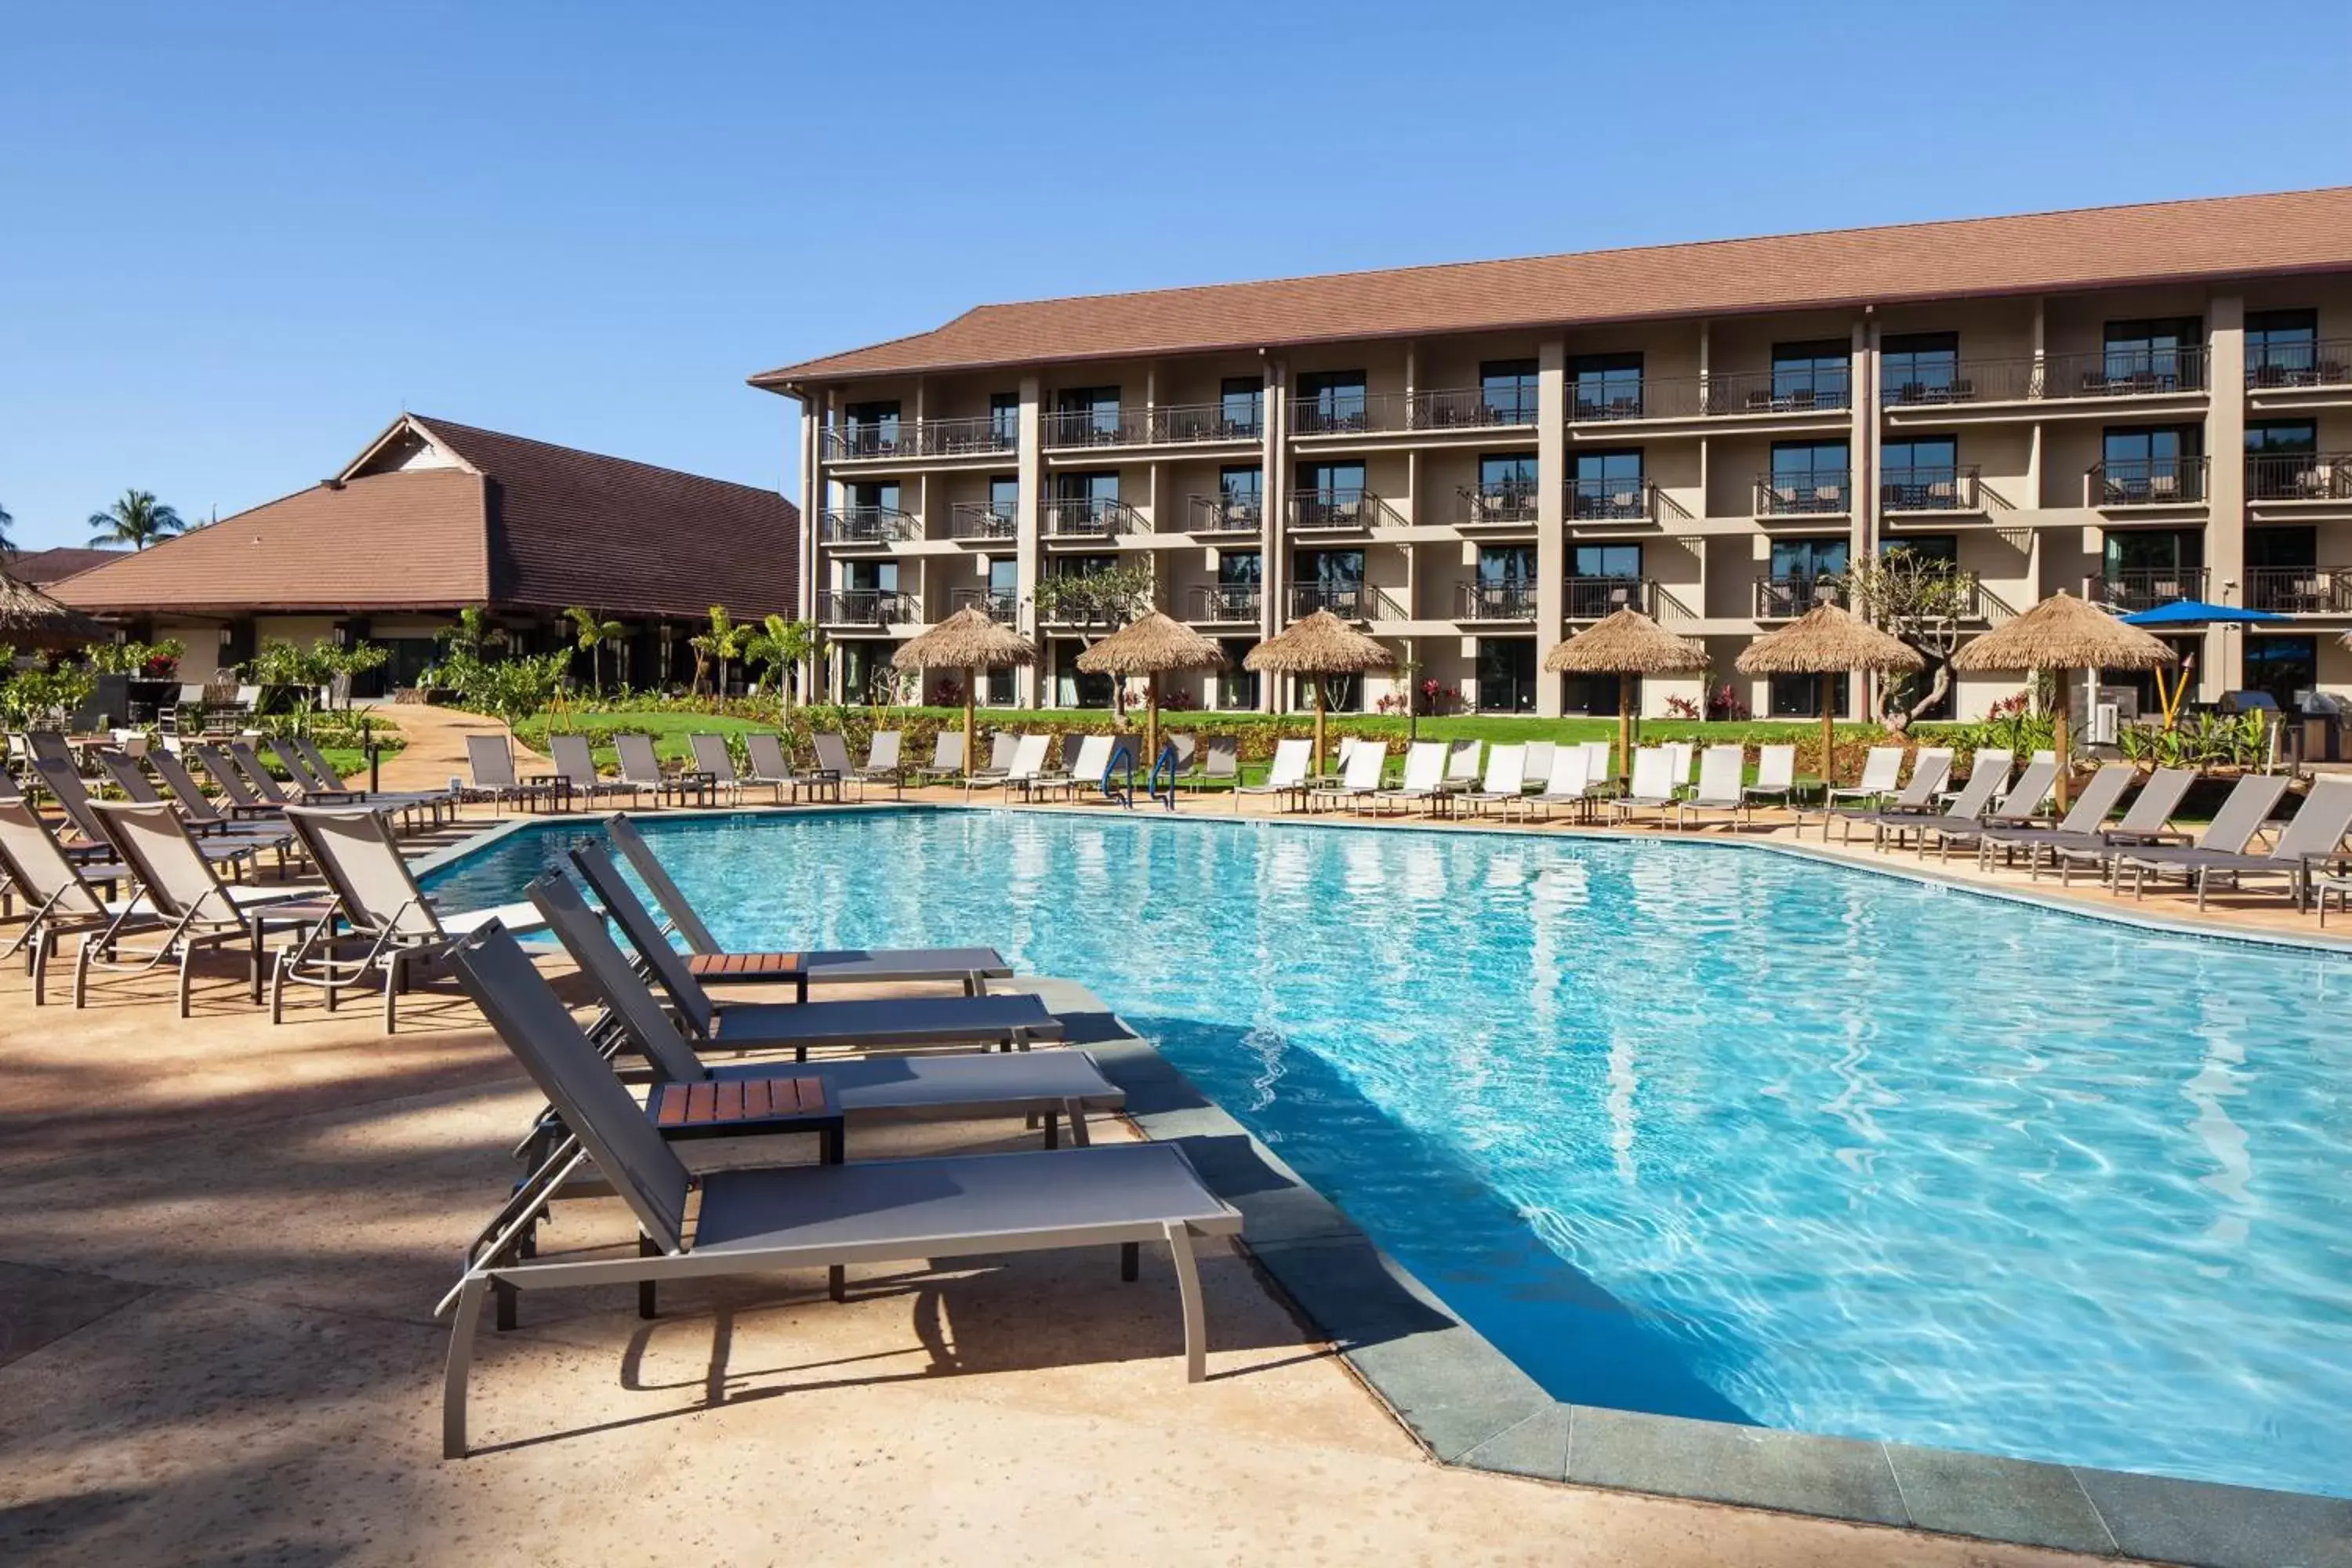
{"x":2152,"y":835}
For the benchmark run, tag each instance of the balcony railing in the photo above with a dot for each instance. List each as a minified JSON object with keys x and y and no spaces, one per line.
{"x":1385,"y":412}
{"x":885,"y":438}
{"x":1350,"y":601}
{"x":2299,"y":475}
{"x":999,"y":604}
{"x":931,"y":438}
{"x":1486,"y":506}
{"x":1225,"y":514}
{"x":866,"y":525}
{"x":1692,"y":397}
{"x":1223,"y":604}
{"x":1180,"y":422}
{"x":1595,"y":598}
{"x":1787,"y":598}
{"x":867,"y":608}
{"x":2326,"y":362}
{"x":2300,"y":590}
{"x":1097,"y":427}
{"x":1175,"y":423}
{"x":978,"y":520}
{"x":1340,"y":510}
{"x":2143,"y":588}
{"x":1503,"y":601}
{"x":1804,"y":492}
{"x":1090,"y":517}
{"x":1612,"y":500}
{"x":2124,"y":373}
{"x":2146,"y":481}
{"x":1931,"y":488}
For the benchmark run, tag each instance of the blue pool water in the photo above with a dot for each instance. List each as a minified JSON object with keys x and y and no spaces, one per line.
{"x":1702,"y":1130}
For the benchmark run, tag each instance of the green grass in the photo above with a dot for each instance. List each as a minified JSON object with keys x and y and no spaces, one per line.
{"x":669,"y":731}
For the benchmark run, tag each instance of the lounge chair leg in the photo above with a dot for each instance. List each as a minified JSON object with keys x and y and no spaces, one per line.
{"x":503,"y":1295}
{"x":461,"y":1360}
{"x":187,"y":956}
{"x":1053,"y":1130}
{"x":648,"y":1304}
{"x":1188,"y":1289}
{"x":837,"y":1283}
{"x":393,"y":975}
{"x":1130,"y":1260}
{"x":1079,"y":1137}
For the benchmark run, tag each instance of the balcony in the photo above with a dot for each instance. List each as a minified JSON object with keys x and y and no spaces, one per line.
{"x":980,"y":434}
{"x":1596,"y":598}
{"x":1495,"y":506}
{"x":1120,"y":426}
{"x":2300,"y":590}
{"x":1227,"y":603}
{"x":978,"y":520}
{"x":999,"y":604}
{"x":1931,"y":489}
{"x":2299,"y":475}
{"x":1728,"y":393}
{"x":1171,"y":425}
{"x":1786,"y":598}
{"x":1612,"y":500}
{"x":2146,"y":481}
{"x":866,"y":525}
{"x":1348,"y":601}
{"x":2124,"y":373}
{"x":1804,"y":492}
{"x":1500,"y":601}
{"x":1340,"y":510}
{"x":2144,"y":588}
{"x":1225,"y":514}
{"x":1090,"y":517}
{"x":1395,"y":412}
{"x":1182,"y":424}
{"x":2326,"y":363}
{"x":867,"y":608}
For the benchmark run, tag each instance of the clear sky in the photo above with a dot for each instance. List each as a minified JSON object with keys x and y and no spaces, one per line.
{"x":237,"y":240}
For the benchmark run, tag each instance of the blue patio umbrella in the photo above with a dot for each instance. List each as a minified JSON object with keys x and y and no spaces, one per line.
{"x":2189,"y":613}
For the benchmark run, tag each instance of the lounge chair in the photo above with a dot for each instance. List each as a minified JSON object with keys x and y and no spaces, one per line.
{"x":1011,"y":1021}
{"x":947,"y":759}
{"x":1003,"y":747}
{"x":764,"y":1221}
{"x":192,"y":910}
{"x":1569,"y":783}
{"x":882,"y":764}
{"x":377,"y":906}
{"x":1882,"y":775}
{"x":1187,"y":750}
{"x":832,"y":762}
{"x":641,"y":765}
{"x":713,"y":756}
{"x":768,"y":766}
{"x":61,"y":898}
{"x":1998,"y":759}
{"x":1680,"y":757}
{"x":2243,"y":814}
{"x":1462,"y":764}
{"x":575,"y":764}
{"x":1775,"y":775}
{"x":2017,"y":807}
{"x":1720,"y":769}
{"x":1928,"y":770}
{"x":2092,"y":806}
{"x":1425,"y":763}
{"x":1504,"y":788}
{"x":204,"y":814}
{"x":67,"y":788}
{"x":1535,"y":766}
{"x":1286,"y":778}
{"x":1597,"y":755}
{"x":1967,"y":808}
{"x":1359,"y":781}
{"x":490,"y":759}
{"x":971,"y":968}
{"x":1085,"y":771}
{"x":312,"y":788}
{"x":1219,"y":762}
{"x":1653,"y":787}
{"x":208,"y":825}
{"x":1025,"y":768}
{"x":2316,"y":833}
{"x":2149,"y":821}
{"x":49,"y":746}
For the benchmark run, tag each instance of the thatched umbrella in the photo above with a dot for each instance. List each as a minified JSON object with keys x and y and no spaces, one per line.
{"x":30,"y":619}
{"x":1318,"y":645}
{"x":1625,"y":645}
{"x":1151,"y":646}
{"x":1827,"y":642}
{"x":2065,"y":634}
{"x":969,"y":641}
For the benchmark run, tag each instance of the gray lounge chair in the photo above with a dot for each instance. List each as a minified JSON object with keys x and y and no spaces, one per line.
{"x":1968,"y":809}
{"x":73,"y":798}
{"x":766,"y":750}
{"x":969,"y":967}
{"x":575,"y":764}
{"x":490,"y":762}
{"x":947,"y":759}
{"x":882,"y":764}
{"x":2092,"y":806}
{"x":2149,"y":821}
{"x":209,"y":825}
{"x":202,"y":810}
{"x":314,"y":789}
{"x":2019,"y":805}
{"x":712,"y":756}
{"x":61,"y":896}
{"x":832,"y":762}
{"x":1219,"y":762}
{"x":641,"y":765}
{"x":767,"y":1220}
{"x":1918,"y":798}
{"x":2317,"y":832}
{"x":896,"y":1021}
{"x":1003,"y":747}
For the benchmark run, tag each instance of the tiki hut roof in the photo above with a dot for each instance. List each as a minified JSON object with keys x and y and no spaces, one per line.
{"x":1152,"y":644}
{"x":2064,"y":632}
{"x":1320,"y":644}
{"x":1827,"y":641}
{"x":1627,"y":643}
{"x":965,"y":640}
{"x":30,"y":617}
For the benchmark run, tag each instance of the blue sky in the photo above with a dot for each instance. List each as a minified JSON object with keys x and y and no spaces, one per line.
{"x":237,"y":240}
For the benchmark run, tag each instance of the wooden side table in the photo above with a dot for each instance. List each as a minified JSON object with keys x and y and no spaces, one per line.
{"x":727,"y":1107}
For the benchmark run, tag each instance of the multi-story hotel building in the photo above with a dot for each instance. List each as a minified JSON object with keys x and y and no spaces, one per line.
{"x":1474,"y":461}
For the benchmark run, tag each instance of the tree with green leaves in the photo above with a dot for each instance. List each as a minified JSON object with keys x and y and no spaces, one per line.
{"x":722,"y":646}
{"x":7,"y":547}
{"x":138,"y":520}
{"x":593,"y":634}
{"x":1094,"y":604}
{"x":512,"y":690}
{"x":1922,"y":601}
{"x":779,"y":646}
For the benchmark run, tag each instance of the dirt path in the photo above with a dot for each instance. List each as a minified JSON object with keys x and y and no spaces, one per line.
{"x":435,"y":751}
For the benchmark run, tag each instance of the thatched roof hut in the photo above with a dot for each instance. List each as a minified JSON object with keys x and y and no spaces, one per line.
{"x":2064,"y":632}
{"x":1828,"y":642}
{"x":1320,"y":644}
{"x":30,"y":619}
{"x":1625,"y":645}
{"x":1152,"y":644}
{"x":969,"y":641}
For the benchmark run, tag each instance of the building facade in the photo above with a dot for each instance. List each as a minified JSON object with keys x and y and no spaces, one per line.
{"x":1473,"y":462}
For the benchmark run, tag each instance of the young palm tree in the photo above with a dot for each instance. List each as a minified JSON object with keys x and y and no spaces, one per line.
{"x":138,"y":520}
{"x":720,"y":644}
{"x":778,"y":645}
{"x":593,"y":634}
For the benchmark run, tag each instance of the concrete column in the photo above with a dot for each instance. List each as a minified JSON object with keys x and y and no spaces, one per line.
{"x":1863,"y":469}
{"x":1274,"y":526}
{"x":1030,"y":452}
{"x":2225,"y":487}
{"x":1551,"y":515}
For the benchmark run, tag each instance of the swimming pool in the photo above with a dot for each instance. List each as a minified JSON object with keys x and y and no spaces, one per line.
{"x":1701,"y":1130}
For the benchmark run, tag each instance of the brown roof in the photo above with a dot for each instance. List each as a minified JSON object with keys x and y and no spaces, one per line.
{"x":2042,"y":252}
{"x":41,"y":567}
{"x":522,"y":523}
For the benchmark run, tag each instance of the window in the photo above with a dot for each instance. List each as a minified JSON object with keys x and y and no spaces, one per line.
{"x":2282,"y":667}
{"x":1919,"y":367}
{"x":1608,"y":386}
{"x":1330,"y":580}
{"x":1076,"y":688}
{"x":1237,"y":687}
{"x":2151,"y":464}
{"x":1004,"y":496}
{"x":2287,"y":547}
{"x":1087,"y":417}
{"x":1799,"y":696}
{"x":2145,"y":567}
{"x":1240,"y":569}
{"x":2280,"y":459}
{"x":2154,"y":355}
{"x":1507,"y":675}
{"x":1920,"y":474}
{"x":2282,"y":348}
{"x":870,"y":576}
{"x":1239,"y":405}
{"x":1004,"y":418}
{"x":997,"y":689}
{"x":1943,"y":547}
{"x":1507,"y":487}
{"x":1081,"y":565}
{"x":870,"y":430}
{"x":1332,"y":400}
{"x":1608,"y":560}
{"x":857,"y":666}
{"x":1507,"y":390}
{"x":1084,"y":502}
{"x":1506,"y":588}
{"x":1595,"y":694}
{"x":1807,"y":477}
{"x":1331,"y":495}
{"x":1003,"y":574}
{"x":1802,"y":572}
{"x":1811,"y":375}
{"x":875,"y":498}
{"x":1608,"y":485}
{"x":1242,"y":487}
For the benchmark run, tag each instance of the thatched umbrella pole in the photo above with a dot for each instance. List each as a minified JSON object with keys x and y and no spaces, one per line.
{"x":2064,"y":634}
{"x":1625,"y":645}
{"x":1828,"y":642}
{"x":1320,"y":645}
{"x":970,"y":641}
{"x":1625,"y":721}
{"x":1147,"y":646}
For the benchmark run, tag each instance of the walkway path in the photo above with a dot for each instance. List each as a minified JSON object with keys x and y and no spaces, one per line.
{"x":435,"y":751}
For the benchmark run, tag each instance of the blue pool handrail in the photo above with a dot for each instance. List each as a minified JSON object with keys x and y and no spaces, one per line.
{"x":1164,"y":768}
{"x":1122,"y":761}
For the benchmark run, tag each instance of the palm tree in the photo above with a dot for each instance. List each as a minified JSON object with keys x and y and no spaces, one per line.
{"x":7,"y":546}
{"x":593,"y":634}
{"x":722,"y":643}
{"x":138,"y":520}
{"x":778,"y":645}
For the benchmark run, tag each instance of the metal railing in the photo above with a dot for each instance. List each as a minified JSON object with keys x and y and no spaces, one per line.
{"x":882,"y":438}
{"x":1001,"y":605}
{"x":1780,"y":390}
{"x":1222,"y":602}
{"x":1175,"y":423}
{"x":1120,"y":426}
{"x":1801,"y":493}
{"x":1350,"y":601}
{"x":1930,"y":488}
{"x":2145,"y":481}
{"x":979,"y":520}
{"x":2124,"y":373}
{"x":867,"y":608}
{"x":1222,"y":513}
{"x":1725,"y":393}
{"x":1089,"y":517}
{"x":2300,"y":590}
{"x":1385,"y":412}
{"x":866,"y":525}
{"x":1787,"y":598}
{"x":1501,"y":601}
{"x":1612,"y":500}
{"x":1341,"y":509}
{"x":1179,"y":423}
{"x":1594,"y":598}
{"x":2144,"y":588}
{"x":2299,"y":475}
{"x":1489,"y":505}
{"x":980,"y":432}
{"x":2326,"y":361}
